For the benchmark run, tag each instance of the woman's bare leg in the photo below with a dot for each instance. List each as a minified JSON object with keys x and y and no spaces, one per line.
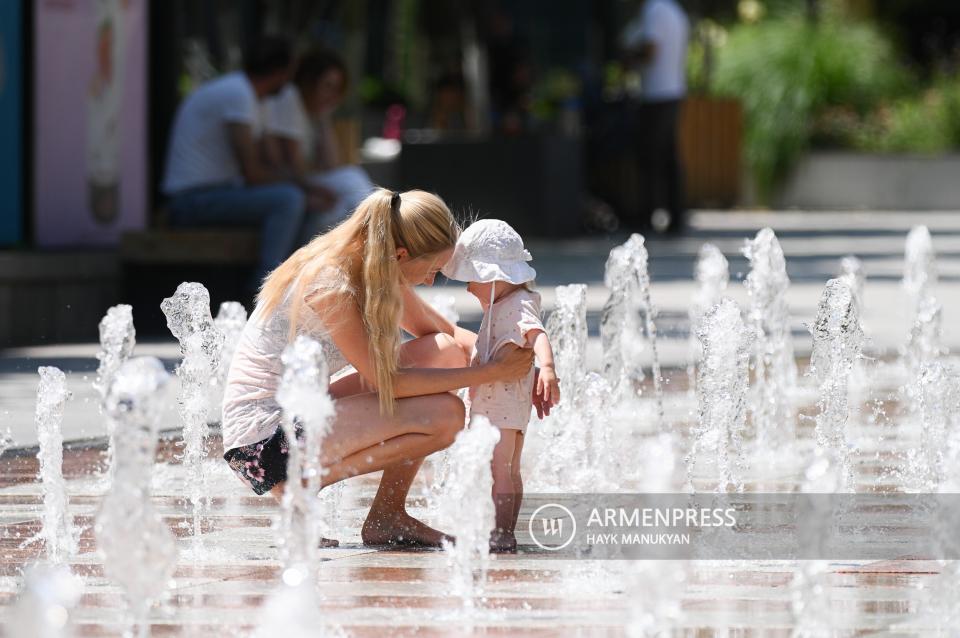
{"x":363,"y":441}
{"x":388,"y":521}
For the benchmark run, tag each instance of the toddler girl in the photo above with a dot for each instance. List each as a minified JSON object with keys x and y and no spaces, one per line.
{"x":489,"y":255}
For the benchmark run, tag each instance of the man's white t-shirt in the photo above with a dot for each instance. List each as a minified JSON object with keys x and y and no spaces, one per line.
{"x":200,"y":153}
{"x":663,"y":23}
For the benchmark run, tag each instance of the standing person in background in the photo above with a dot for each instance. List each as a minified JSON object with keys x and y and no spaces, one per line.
{"x":215,"y":175}
{"x":655,"y":42}
{"x":301,"y":142}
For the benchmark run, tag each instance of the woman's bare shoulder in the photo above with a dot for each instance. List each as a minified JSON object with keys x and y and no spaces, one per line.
{"x":331,"y":277}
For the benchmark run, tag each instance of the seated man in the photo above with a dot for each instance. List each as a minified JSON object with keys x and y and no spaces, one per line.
{"x":214,"y":173}
{"x":300,"y":141}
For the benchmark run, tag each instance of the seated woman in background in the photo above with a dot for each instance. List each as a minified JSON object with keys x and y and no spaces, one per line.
{"x":299,"y":138}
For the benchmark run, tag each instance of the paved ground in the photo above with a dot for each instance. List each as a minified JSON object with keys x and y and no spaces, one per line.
{"x":814,"y":243}
{"x":229,"y":588}
{"x":368,"y":592}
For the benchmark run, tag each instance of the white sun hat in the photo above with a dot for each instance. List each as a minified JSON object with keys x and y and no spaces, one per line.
{"x":490,"y":250}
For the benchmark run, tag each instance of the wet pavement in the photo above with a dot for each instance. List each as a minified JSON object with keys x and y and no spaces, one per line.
{"x":373,"y":592}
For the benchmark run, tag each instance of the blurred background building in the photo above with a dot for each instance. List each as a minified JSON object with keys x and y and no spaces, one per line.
{"x":517,"y":110}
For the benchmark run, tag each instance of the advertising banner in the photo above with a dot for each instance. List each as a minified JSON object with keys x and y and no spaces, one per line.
{"x":11,"y":122}
{"x":90,"y":130}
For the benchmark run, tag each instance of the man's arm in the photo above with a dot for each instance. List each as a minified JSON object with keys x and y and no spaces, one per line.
{"x":289,"y":163}
{"x":639,"y":44}
{"x":248,"y":155}
{"x":641,"y":53}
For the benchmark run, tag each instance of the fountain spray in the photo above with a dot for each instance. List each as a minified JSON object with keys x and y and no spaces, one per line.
{"x":837,"y":342}
{"x":721,"y":393}
{"x":117,"y":339}
{"x":712,"y":273}
{"x":188,"y":318}
{"x":622,"y":331}
{"x":466,"y":509}
{"x":307,"y":407}
{"x":139,"y":550}
{"x":58,"y":534}
{"x":775,"y":371}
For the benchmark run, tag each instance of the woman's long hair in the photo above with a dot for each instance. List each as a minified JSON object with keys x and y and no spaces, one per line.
{"x":365,"y":246}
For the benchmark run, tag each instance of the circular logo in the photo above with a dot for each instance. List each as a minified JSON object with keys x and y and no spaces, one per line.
{"x":552,"y":527}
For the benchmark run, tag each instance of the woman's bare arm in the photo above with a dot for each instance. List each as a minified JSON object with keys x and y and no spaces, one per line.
{"x":351,"y":338}
{"x":327,"y":152}
{"x":293,"y":157}
{"x":420,"y":318}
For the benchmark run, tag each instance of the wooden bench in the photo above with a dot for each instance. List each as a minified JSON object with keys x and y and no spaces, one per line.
{"x":195,"y":246}
{"x":154,"y":262}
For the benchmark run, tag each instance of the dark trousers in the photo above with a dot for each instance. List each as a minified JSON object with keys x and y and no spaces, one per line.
{"x":659,"y":170}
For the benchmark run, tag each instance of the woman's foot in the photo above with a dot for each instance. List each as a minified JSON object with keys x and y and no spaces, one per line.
{"x":328,"y":542}
{"x":400,"y":529}
{"x":503,"y":542}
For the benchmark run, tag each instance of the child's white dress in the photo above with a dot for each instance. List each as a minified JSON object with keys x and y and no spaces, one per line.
{"x":509,"y":319}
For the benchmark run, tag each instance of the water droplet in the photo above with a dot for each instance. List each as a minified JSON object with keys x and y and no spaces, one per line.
{"x":293,"y":576}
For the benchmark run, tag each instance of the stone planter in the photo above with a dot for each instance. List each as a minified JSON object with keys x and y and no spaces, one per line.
{"x":847,"y":180}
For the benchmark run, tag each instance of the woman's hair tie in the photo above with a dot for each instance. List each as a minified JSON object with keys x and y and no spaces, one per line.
{"x":395,"y":203}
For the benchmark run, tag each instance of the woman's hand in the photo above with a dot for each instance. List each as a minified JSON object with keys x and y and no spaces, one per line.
{"x":512,"y":362}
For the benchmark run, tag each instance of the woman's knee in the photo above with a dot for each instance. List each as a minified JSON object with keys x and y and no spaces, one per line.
{"x":433,"y":350}
{"x":450,"y":354}
{"x":447,"y":417}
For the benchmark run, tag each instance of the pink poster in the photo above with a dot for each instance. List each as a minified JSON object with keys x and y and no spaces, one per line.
{"x":90,"y":132}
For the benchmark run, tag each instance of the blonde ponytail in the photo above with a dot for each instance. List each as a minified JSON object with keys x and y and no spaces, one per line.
{"x":382,"y":300}
{"x":364,"y":247}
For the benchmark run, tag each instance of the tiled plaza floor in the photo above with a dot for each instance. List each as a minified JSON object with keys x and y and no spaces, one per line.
{"x":370,"y":592}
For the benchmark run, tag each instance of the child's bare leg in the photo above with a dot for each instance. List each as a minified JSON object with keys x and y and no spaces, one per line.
{"x":502,"y":538}
{"x":517,"y":479}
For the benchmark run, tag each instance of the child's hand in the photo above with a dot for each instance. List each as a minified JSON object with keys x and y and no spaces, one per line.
{"x":548,"y":387}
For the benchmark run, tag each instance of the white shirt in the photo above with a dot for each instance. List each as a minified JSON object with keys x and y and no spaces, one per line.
{"x":250,"y":409}
{"x":506,"y":404}
{"x":286,"y":116}
{"x":665,"y":25}
{"x":200,"y":153}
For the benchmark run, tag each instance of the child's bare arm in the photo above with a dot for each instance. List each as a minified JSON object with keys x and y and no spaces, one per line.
{"x":541,"y":347}
{"x":548,"y":385}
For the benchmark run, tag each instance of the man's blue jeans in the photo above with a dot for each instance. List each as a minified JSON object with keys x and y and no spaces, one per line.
{"x":276,"y":209}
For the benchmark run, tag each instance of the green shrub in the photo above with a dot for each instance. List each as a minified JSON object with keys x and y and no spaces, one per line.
{"x":924,"y":123}
{"x":786,"y":70}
